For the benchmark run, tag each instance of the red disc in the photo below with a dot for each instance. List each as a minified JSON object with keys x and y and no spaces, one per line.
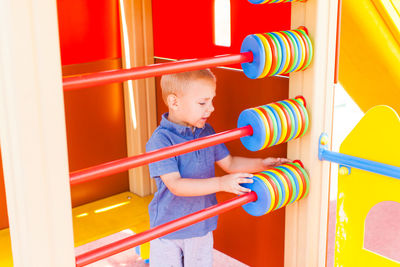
{"x":288,"y":121}
{"x":302,"y":99}
{"x":299,"y":162}
{"x":306,"y":57}
{"x":277,"y":195}
{"x":290,"y":65}
{"x":289,"y":184}
{"x":303,"y":180}
{"x":304,"y":29}
{"x":271,"y":127}
{"x":274,"y":53}
{"x":303,"y":117}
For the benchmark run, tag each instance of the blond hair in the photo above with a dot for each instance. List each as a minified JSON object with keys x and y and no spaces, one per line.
{"x":177,"y":82}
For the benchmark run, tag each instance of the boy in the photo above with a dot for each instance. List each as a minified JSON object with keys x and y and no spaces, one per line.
{"x":186,"y":183}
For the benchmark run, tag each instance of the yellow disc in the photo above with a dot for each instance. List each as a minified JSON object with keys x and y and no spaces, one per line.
{"x":284,"y":184}
{"x":303,"y":50}
{"x":300,"y":181}
{"x":271,"y":190}
{"x":288,"y":55}
{"x":266,"y":127}
{"x":268,"y":55}
{"x":299,"y":118}
{"x":284,"y":126}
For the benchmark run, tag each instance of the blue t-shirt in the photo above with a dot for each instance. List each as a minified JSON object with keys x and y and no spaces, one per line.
{"x":199,"y":164}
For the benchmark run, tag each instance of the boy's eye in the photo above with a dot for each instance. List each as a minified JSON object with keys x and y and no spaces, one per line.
{"x":202,"y":103}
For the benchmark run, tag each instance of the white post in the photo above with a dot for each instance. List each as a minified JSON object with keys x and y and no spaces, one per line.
{"x":32,"y":134}
{"x":306,"y":221}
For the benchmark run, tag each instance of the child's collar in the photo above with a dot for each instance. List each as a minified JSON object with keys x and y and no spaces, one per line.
{"x":177,"y":128}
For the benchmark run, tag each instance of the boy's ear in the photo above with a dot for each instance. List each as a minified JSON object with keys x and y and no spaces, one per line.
{"x":172,"y":101}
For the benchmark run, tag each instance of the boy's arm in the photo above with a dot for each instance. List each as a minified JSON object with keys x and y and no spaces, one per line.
{"x":189,"y":187}
{"x":232,"y":164}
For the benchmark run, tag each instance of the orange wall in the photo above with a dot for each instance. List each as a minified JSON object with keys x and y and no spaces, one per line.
{"x":255,"y":241}
{"x":95,"y":121}
{"x":95,"y":134}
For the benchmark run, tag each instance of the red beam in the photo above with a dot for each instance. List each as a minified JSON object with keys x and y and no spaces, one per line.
{"x":161,"y":230}
{"x":121,"y":165}
{"x":106,"y":77}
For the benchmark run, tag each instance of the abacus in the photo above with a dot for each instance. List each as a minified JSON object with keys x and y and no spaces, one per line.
{"x":261,"y":55}
{"x":277,"y":53}
{"x":258,"y":128}
{"x":272,"y":189}
{"x":274,"y":123}
{"x":278,"y":187}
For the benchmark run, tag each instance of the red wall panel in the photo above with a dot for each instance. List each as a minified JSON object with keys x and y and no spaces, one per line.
{"x":184,"y":29}
{"x":89,"y":30}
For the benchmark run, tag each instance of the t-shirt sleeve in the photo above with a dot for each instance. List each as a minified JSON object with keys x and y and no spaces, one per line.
{"x":220,"y":150}
{"x":165,"y":166}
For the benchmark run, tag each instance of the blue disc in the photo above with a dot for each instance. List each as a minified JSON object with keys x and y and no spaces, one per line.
{"x":255,"y":141}
{"x":295,"y":181}
{"x":263,"y":202}
{"x":295,"y":122}
{"x":253,"y":44}
{"x":297,"y":46}
{"x":283,"y":52}
{"x":256,"y":1}
{"x":282,"y":188}
{"x":278,"y":124}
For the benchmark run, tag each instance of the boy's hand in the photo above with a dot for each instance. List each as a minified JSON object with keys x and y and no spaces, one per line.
{"x":231,"y":183}
{"x":273,"y":162}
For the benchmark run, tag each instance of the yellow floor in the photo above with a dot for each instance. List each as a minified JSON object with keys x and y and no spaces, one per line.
{"x":98,"y":219}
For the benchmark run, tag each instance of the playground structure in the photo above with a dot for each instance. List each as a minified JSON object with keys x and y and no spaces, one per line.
{"x":39,"y":205}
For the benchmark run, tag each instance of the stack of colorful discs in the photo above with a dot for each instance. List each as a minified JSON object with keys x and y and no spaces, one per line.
{"x":274,"y":1}
{"x":277,"y":187}
{"x":277,"y":53}
{"x":275,"y":123}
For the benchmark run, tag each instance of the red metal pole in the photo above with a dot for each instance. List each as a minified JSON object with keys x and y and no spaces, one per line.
{"x":112,"y":76}
{"x":161,"y":230}
{"x":121,"y":165}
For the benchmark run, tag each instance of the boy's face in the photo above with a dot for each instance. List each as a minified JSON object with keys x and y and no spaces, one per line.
{"x":194,"y":105}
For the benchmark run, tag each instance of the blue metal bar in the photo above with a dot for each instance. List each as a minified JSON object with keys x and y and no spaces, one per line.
{"x":356,"y":162}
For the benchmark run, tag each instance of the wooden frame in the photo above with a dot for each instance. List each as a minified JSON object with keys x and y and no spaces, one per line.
{"x":140,"y":95}
{"x":33,"y":136}
{"x":306,"y":221}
